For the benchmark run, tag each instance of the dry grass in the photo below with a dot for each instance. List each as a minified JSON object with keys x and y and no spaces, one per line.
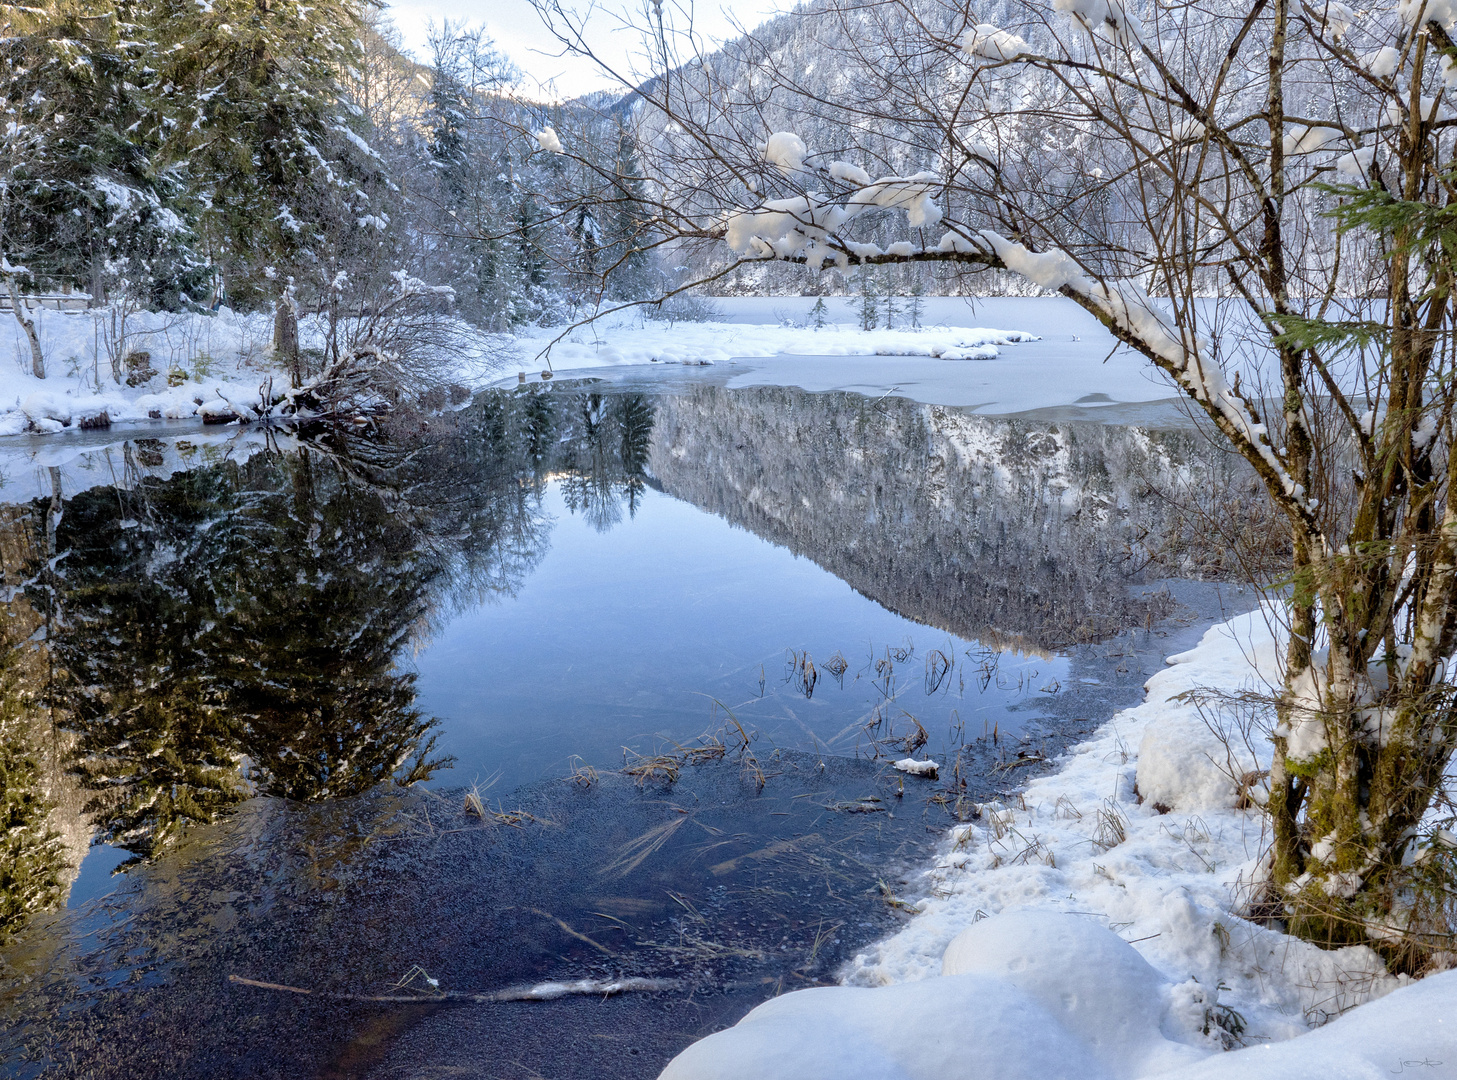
{"x":1111,"y":828}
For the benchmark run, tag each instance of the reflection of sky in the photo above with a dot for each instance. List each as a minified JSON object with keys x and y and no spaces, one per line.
{"x":617,"y":637}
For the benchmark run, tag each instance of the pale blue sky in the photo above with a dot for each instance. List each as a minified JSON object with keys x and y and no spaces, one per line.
{"x":519,"y":32}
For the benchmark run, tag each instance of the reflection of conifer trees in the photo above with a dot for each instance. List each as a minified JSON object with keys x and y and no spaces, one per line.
{"x":250,"y":617}
{"x":603,"y":450}
{"x":32,"y":853}
{"x":133,"y":649}
{"x":306,"y":649}
{"x":999,"y":528}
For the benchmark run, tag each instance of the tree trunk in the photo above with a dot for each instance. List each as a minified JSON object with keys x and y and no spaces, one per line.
{"x":37,"y":358}
{"x":285,"y":337}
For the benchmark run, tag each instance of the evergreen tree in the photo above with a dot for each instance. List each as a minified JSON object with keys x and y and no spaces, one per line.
{"x":250,"y":100}
{"x":817,"y":314}
{"x":631,"y":275}
{"x":915,"y":305}
{"x":869,"y":300}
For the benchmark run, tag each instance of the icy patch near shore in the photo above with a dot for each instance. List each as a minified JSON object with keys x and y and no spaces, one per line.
{"x":1082,"y":930}
{"x":615,"y":341}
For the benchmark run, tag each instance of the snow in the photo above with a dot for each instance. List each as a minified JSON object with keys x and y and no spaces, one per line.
{"x":1309,"y":140}
{"x":926,"y":768}
{"x":915,"y":194}
{"x":211,"y":356}
{"x":992,"y":43}
{"x":548,"y":141}
{"x":786,"y":152}
{"x":1080,"y":930}
{"x":1441,"y":12}
{"x":851,"y":174}
{"x":1381,"y":62}
{"x":769,"y":341}
{"x":1334,"y":17}
{"x":1357,"y":163}
{"x":806,"y":225}
{"x":1105,"y":17}
{"x":618,"y":340}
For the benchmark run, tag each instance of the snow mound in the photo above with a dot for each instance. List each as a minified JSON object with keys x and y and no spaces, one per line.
{"x":1192,"y":758}
{"x":1110,"y":999}
{"x":917,"y":1031}
{"x":1009,"y":1001}
{"x":1411,"y":1031}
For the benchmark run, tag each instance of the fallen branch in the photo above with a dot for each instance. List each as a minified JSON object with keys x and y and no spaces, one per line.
{"x":546,"y":991}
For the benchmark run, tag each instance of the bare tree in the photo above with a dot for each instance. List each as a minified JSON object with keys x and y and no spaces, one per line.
{"x":1255,"y":196}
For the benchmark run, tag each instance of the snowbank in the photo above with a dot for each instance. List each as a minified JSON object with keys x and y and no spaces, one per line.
{"x":196,"y":361}
{"x":1081,"y":930}
{"x":628,"y":340}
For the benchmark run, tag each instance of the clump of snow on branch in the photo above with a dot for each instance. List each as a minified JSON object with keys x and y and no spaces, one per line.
{"x":1333,"y":17}
{"x":1381,"y":62}
{"x":1309,"y":140}
{"x":992,"y":43}
{"x":1442,"y":12}
{"x":547,"y":139}
{"x":786,"y":152}
{"x":851,"y":174}
{"x":1357,"y":163}
{"x":1428,"y":108}
{"x":914,"y":194}
{"x":1106,"y":17}
{"x":1189,"y":129}
{"x":805,"y":226}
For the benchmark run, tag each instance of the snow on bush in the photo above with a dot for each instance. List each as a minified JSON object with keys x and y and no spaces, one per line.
{"x":547,"y":139}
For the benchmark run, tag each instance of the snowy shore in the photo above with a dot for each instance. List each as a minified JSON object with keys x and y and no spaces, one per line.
{"x":200,"y":361}
{"x":1091,"y":928}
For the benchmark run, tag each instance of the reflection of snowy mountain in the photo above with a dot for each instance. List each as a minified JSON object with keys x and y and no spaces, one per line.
{"x":970,"y":523}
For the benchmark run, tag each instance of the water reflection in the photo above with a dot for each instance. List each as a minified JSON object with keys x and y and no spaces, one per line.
{"x":999,"y":529}
{"x":188,"y":627}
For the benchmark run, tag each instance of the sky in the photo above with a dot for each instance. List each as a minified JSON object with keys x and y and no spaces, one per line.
{"x":520,"y":33}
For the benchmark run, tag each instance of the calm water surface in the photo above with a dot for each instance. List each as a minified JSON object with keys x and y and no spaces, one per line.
{"x":227,"y":654}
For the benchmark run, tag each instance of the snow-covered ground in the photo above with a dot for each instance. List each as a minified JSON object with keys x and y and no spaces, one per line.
{"x":209,"y":358}
{"x":1003,"y":355}
{"x":998,"y":354}
{"x":1090,"y":928}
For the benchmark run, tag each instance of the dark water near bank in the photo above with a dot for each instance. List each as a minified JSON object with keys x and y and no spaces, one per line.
{"x":666,"y":643}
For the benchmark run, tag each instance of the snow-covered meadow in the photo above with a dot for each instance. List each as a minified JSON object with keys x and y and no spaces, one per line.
{"x":1091,"y":927}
